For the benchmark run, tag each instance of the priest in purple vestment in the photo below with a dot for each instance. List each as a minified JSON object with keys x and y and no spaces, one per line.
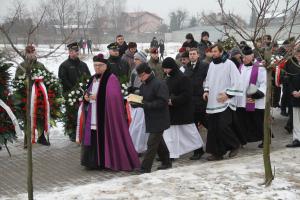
{"x":106,"y":142}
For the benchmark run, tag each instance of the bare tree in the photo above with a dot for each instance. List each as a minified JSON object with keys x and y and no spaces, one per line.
{"x":177,"y":19}
{"x":27,"y":67}
{"x":261,"y":24}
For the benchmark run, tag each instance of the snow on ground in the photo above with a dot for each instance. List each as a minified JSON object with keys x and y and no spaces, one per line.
{"x":238,"y":178}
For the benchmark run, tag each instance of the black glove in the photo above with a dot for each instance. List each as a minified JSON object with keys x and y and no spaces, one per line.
{"x":258,"y":95}
{"x":136,"y":105}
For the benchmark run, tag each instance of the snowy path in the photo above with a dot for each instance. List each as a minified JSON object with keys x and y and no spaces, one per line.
{"x":229,"y":179}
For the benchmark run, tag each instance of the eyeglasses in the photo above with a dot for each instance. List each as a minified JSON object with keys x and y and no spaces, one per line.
{"x":99,"y":65}
{"x":141,"y":75}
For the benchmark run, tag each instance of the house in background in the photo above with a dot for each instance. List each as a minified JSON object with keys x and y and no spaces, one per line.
{"x":141,"y":22}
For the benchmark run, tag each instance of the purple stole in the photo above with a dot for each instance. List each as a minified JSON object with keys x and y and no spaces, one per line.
{"x":250,"y":107}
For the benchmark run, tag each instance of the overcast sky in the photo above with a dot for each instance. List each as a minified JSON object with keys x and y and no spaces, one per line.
{"x":164,"y":7}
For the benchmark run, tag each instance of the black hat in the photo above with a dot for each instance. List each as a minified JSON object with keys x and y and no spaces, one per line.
{"x":144,"y":67}
{"x":204,"y":33}
{"x":189,"y":36}
{"x":113,"y":46}
{"x":185,"y":54}
{"x":99,"y":58}
{"x":132,"y":45}
{"x":247,"y":50}
{"x":169,"y":63}
{"x":73,"y":46}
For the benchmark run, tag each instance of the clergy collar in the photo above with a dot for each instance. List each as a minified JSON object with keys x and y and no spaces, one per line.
{"x":249,"y":64}
{"x":98,"y":76}
{"x":217,"y":60}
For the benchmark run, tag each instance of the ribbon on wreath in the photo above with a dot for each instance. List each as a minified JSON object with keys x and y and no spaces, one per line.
{"x":12,"y":117}
{"x":37,"y":86}
{"x":80,"y":122}
{"x":278,"y":72}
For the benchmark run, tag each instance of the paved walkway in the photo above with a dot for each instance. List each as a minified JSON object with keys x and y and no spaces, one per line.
{"x":58,"y":165}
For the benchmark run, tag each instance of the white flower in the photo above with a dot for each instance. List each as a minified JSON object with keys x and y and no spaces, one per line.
{"x":122,"y":91}
{"x":123,"y":85}
{"x":72,"y":92}
{"x":52,"y":80}
{"x":80,"y":99}
{"x":69,"y":95}
{"x":48,"y":83}
{"x":87,"y":80}
{"x":77,"y":92}
{"x":74,"y":100}
{"x":70,"y":100}
{"x":80,"y":84}
{"x":71,"y":104}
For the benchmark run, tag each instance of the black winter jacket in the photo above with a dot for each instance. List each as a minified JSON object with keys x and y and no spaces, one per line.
{"x":155,"y":98}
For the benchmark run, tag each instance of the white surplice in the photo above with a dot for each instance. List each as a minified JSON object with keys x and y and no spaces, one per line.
{"x":137,"y":129}
{"x":182,"y":139}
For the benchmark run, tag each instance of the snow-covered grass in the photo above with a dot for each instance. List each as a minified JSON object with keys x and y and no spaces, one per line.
{"x":238,"y":178}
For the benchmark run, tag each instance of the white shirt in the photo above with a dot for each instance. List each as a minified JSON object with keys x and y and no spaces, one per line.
{"x":222,"y":77}
{"x":94,"y":91}
{"x":261,"y":85}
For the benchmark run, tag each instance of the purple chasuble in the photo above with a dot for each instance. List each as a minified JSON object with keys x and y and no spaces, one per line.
{"x":250,"y":107}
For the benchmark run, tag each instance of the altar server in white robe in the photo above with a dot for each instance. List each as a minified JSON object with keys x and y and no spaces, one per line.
{"x":221,"y":86}
{"x":251,"y":105}
{"x":183,"y":136}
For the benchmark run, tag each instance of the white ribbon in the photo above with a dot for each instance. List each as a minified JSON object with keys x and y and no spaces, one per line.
{"x":12,"y":117}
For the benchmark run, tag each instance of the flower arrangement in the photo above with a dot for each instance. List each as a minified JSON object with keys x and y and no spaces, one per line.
{"x":72,"y":103}
{"x":54,"y":92}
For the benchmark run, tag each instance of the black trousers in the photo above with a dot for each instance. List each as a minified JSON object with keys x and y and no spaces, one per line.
{"x":155,"y":144}
{"x":285,"y":98}
{"x":221,"y":137}
{"x":276,"y":93}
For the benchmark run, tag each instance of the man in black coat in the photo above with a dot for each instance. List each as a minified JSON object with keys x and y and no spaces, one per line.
{"x":204,"y":44}
{"x":117,"y":66}
{"x":190,"y":42}
{"x":293,"y":70}
{"x":155,"y":103}
{"x":72,"y":69}
{"x":122,"y":45}
{"x":197,"y":71}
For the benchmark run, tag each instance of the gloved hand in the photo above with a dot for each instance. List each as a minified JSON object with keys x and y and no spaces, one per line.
{"x":136,"y":105}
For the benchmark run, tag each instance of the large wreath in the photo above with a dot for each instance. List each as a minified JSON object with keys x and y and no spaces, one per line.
{"x":54,"y":91}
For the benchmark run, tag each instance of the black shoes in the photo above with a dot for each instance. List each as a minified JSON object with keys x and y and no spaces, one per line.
{"x":143,"y":171}
{"x":261,"y":145}
{"x":234,"y":152}
{"x":288,"y":129}
{"x":295,"y":143}
{"x":214,"y":158}
{"x":165,"y":166}
{"x":42,"y":140}
{"x":197,"y":154}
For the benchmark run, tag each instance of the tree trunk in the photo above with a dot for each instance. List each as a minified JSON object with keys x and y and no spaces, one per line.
{"x":267,"y":126}
{"x":28,"y":133}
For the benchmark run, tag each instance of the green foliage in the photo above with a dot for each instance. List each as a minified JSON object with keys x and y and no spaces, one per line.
{"x":7,"y":132}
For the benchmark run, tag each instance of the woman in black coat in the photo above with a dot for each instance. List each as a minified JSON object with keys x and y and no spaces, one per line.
{"x":182,"y":137}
